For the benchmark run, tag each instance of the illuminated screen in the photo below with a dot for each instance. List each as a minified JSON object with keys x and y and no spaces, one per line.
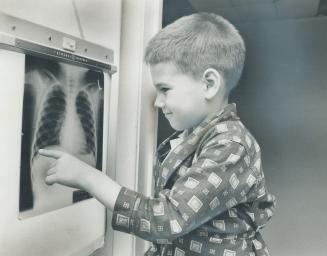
{"x":62,"y":109}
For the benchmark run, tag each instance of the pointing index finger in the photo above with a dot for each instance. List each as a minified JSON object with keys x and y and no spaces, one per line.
{"x":51,"y":153}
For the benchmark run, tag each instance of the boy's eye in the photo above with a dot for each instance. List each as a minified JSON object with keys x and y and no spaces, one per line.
{"x":164,"y":89}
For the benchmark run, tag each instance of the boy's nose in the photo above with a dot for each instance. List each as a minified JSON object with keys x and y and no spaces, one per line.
{"x":158,"y":103}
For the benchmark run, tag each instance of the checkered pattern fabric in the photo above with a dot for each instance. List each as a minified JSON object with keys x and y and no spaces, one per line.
{"x":210,"y":195}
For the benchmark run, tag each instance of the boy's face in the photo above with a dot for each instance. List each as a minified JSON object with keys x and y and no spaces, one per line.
{"x":180,"y":97}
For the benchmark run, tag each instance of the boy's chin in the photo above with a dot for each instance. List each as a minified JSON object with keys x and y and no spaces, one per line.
{"x":184,"y":126}
{"x":175,"y":127}
{"x":178,"y":127}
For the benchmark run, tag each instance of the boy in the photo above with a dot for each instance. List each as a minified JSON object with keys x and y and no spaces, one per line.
{"x":210,"y":195}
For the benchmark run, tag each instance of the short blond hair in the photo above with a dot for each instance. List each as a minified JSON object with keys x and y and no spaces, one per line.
{"x":197,"y":42}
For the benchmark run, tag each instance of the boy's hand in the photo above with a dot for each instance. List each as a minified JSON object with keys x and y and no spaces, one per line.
{"x":66,"y":169}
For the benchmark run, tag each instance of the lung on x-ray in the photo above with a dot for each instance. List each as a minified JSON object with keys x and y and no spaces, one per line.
{"x":62,"y":109}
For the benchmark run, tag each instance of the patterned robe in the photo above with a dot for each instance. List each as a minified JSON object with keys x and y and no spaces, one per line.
{"x":210,"y":195}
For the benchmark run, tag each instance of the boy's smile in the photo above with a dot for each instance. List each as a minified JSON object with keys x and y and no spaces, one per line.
{"x":180,"y":97}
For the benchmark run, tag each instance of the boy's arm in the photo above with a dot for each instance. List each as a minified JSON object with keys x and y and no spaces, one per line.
{"x":70,"y":171}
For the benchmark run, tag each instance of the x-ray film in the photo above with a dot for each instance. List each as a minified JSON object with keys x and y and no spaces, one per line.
{"x":62,"y":110}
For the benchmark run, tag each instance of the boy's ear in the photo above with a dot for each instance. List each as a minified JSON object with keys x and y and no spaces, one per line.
{"x":213,"y":82}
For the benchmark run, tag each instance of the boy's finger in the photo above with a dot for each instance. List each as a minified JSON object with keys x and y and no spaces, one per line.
{"x":51,"y":153}
{"x":50,"y":179}
{"x":51,"y":171}
{"x":53,"y":163}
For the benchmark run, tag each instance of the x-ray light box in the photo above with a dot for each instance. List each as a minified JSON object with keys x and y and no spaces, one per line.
{"x":55,"y":92}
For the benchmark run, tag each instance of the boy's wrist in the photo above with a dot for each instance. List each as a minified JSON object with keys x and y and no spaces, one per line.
{"x":100,"y":186}
{"x":85,"y":179}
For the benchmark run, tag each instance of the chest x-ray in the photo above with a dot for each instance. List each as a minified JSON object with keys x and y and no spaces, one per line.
{"x":63,"y":110}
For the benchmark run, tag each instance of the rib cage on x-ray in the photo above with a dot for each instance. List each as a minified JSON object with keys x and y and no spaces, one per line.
{"x":53,"y":116}
{"x":66,"y":95}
